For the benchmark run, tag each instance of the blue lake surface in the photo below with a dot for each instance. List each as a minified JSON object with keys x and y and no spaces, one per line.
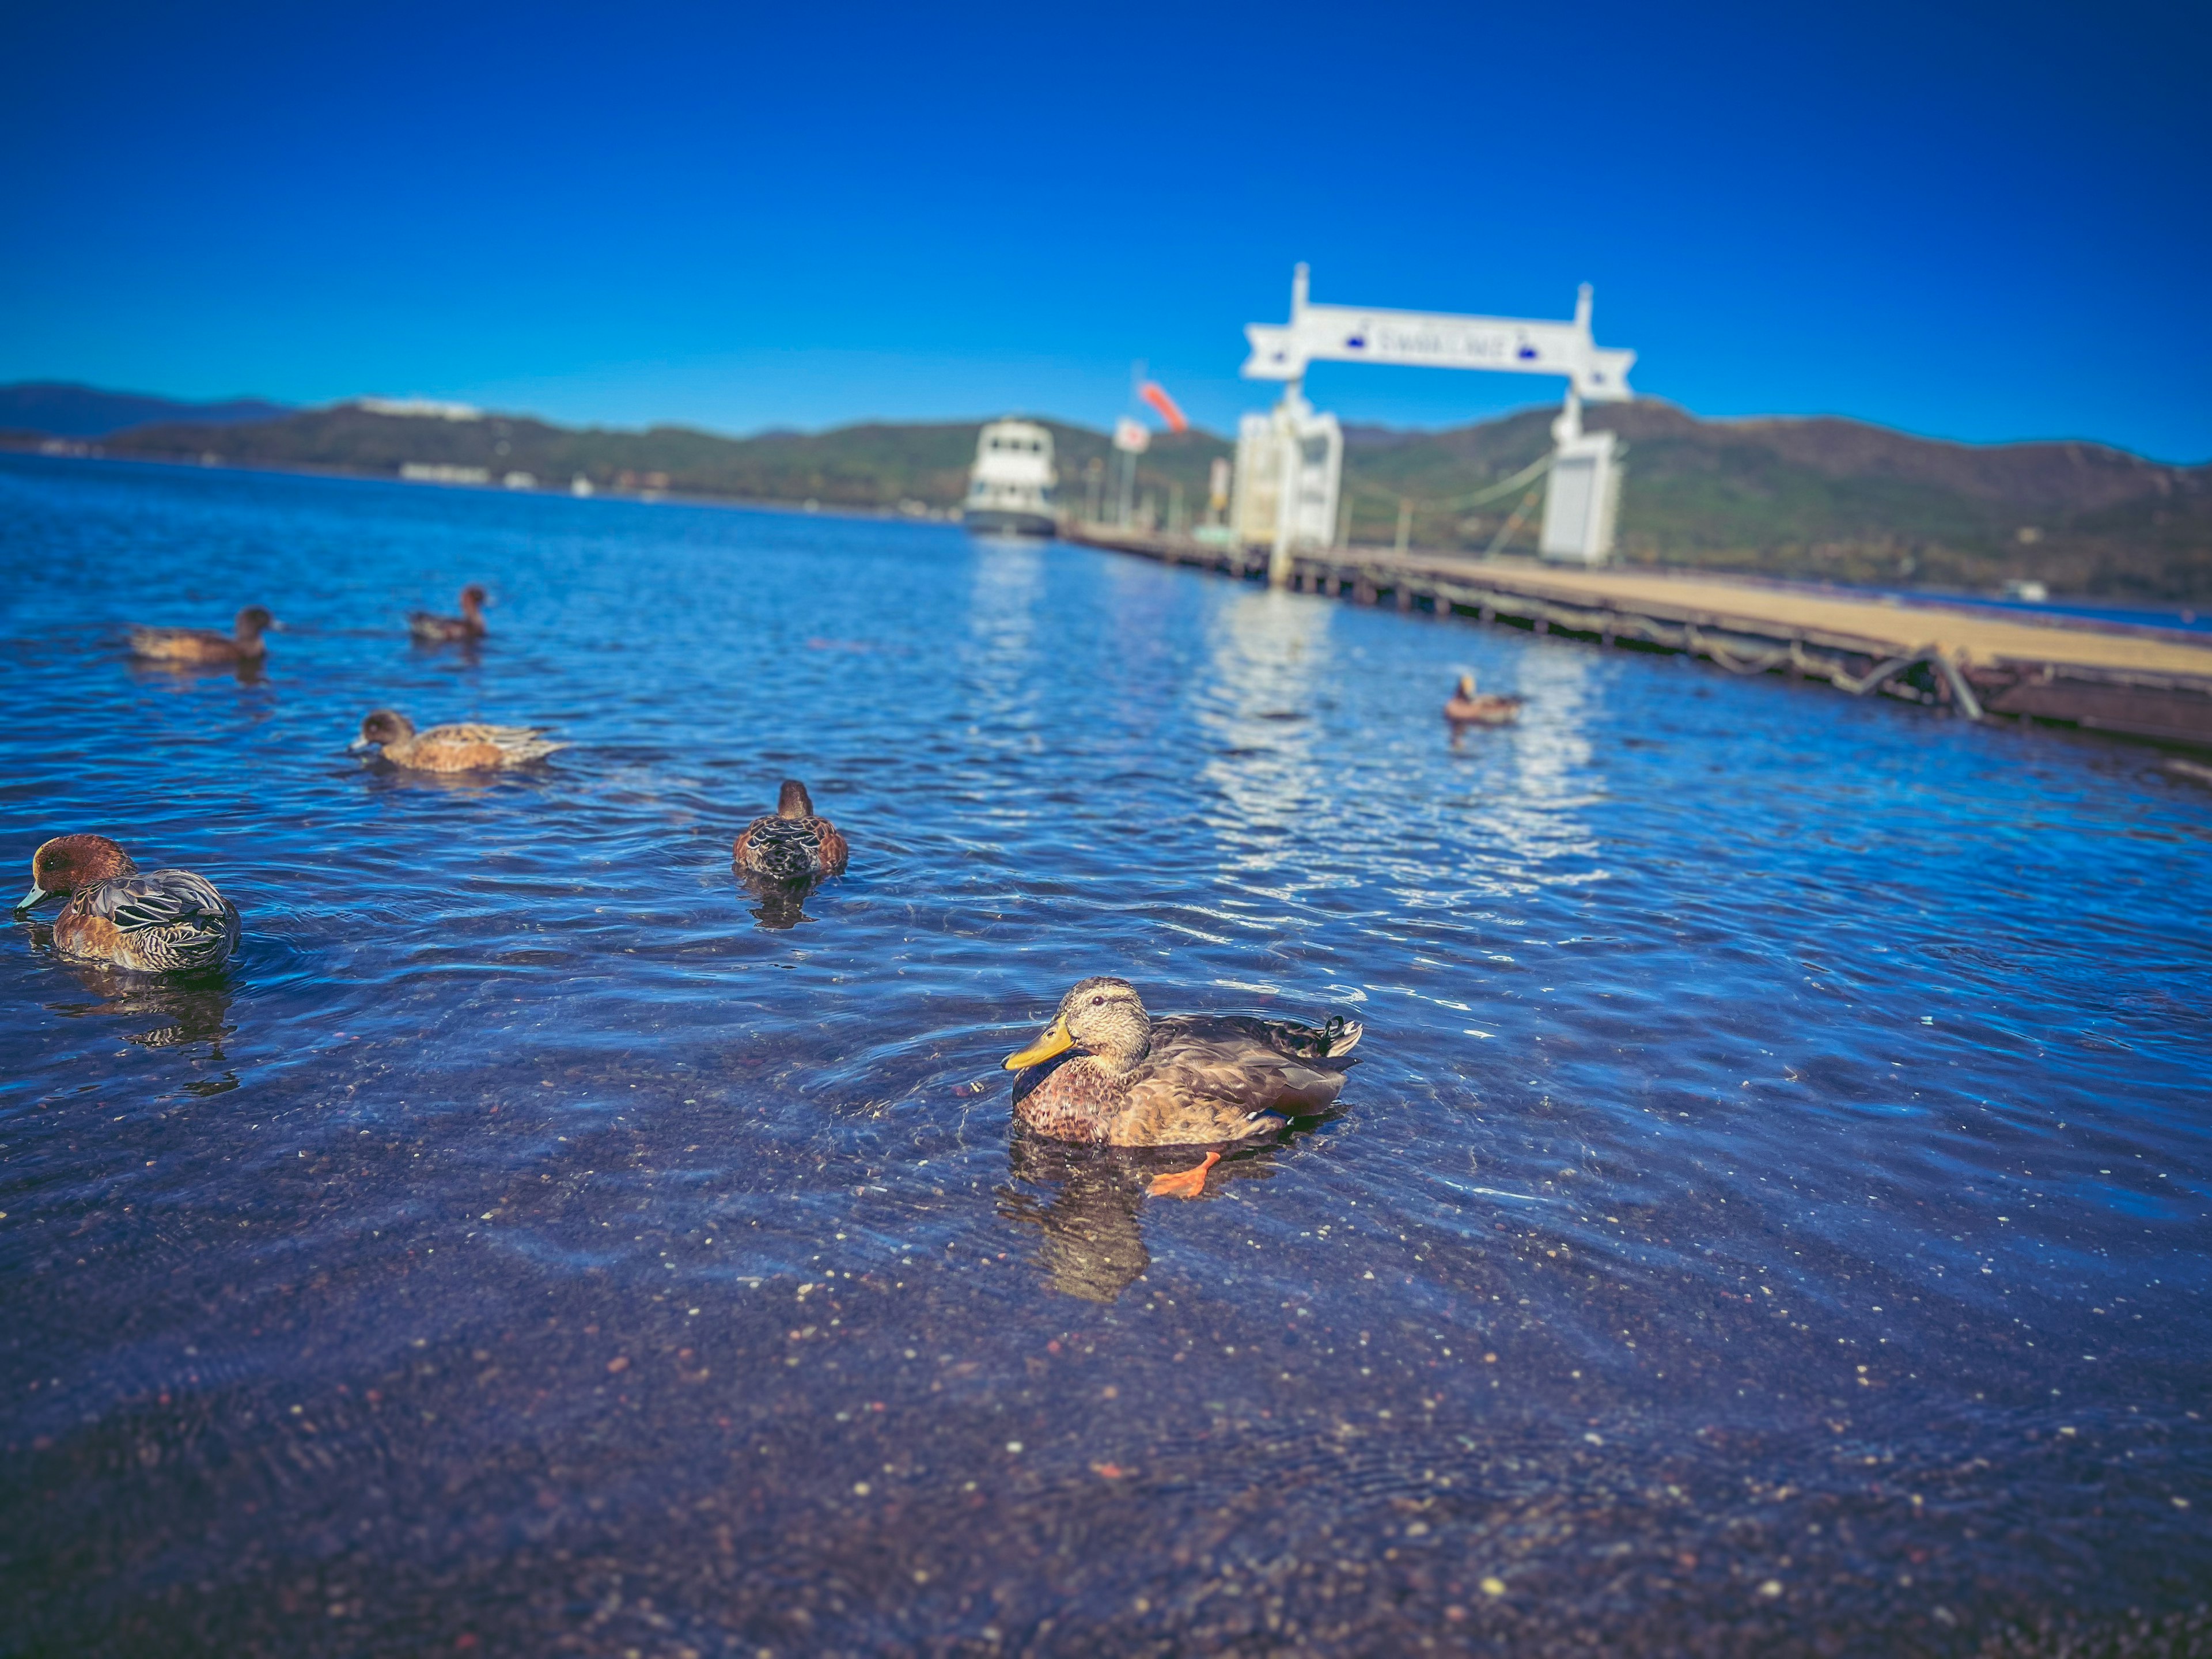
{"x":1769,"y":1215}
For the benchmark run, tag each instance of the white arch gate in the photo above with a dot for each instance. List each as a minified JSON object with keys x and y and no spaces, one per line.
{"x":1289,"y":461}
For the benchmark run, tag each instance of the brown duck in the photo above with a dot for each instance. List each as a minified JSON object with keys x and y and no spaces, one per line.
{"x":462,"y":748}
{"x":1185,"y":1080}
{"x":429,"y":629}
{"x":243,"y":643}
{"x":151,"y":921}
{"x":1466,"y":708}
{"x":793,"y":845}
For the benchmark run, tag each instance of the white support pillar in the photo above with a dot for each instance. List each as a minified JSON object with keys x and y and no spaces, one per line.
{"x":1286,"y":480}
{"x":1582,"y":497}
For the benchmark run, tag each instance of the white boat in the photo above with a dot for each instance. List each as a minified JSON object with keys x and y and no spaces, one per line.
{"x":1010,"y":488}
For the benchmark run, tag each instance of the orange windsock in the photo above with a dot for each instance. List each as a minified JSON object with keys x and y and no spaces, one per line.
{"x":1156,"y":394}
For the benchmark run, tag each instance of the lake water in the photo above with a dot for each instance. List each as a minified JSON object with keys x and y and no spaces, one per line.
{"x":1769,"y":1215}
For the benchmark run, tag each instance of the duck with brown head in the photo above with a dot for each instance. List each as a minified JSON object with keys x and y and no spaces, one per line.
{"x":1184,"y":1081}
{"x":243,"y":644}
{"x":148,"y":920}
{"x":1467,"y":707}
{"x":463,"y":747}
{"x":429,"y":629}
{"x":793,"y":845}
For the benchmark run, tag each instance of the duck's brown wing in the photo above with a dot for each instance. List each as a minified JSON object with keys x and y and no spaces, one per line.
{"x":471,"y":746}
{"x":1210,"y":1080}
{"x":428,"y":753}
{"x":160,"y":919}
{"x":1327,"y":1045}
{"x":479,"y":731}
{"x":831,"y":842}
{"x":1193,"y":1108}
{"x":741,"y":851}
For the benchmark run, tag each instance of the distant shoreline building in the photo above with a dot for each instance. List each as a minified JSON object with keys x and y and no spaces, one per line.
{"x":421,"y":408}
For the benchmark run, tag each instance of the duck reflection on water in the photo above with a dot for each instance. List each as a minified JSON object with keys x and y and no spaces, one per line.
{"x":1093,"y":1242}
{"x":461,"y":785}
{"x":778,"y":905}
{"x":172,"y":1010}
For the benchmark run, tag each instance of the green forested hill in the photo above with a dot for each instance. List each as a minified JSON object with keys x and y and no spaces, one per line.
{"x":1825,"y":497}
{"x":1818,"y":497}
{"x":877,"y":465}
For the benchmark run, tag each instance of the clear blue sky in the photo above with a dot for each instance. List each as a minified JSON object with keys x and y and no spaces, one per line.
{"x":1980,"y":222}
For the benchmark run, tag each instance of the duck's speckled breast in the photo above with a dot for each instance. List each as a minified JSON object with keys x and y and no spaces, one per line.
{"x":1070,"y":1100}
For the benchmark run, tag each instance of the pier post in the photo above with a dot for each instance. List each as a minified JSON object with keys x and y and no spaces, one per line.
{"x":1287,"y":486}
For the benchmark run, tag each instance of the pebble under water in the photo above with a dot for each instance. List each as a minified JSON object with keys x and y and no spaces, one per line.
{"x":1768,"y":1216}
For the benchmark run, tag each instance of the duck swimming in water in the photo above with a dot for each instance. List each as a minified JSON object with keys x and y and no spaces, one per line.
{"x":1184,"y":1081}
{"x":151,"y":921}
{"x":1465,"y":708}
{"x":462,"y":748}
{"x":242,"y":644}
{"x":432,"y":630}
{"x":794,"y":845}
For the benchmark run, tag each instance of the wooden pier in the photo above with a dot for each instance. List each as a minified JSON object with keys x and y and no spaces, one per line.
{"x":2143,"y":682}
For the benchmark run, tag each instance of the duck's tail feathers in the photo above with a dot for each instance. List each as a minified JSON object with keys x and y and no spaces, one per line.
{"x":532,"y":749}
{"x":1343,"y":1035}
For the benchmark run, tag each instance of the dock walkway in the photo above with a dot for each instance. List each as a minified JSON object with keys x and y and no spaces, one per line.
{"x":2144,"y":682}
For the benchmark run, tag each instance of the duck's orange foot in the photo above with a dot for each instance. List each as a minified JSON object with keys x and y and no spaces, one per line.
{"x":1191,"y":1183}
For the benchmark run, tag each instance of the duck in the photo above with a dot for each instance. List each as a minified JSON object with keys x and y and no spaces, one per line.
{"x":242,"y":644}
{"x":147,"y":920}
{"x":1465,"y":708}
{"x":1184,"y":1081}
{"x":432,"y":630}
{"x":463,"y":748}
{"x":793,"y":845}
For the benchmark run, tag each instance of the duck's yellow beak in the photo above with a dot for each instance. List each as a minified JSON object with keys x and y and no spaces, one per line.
{"x":1055,"y":1040}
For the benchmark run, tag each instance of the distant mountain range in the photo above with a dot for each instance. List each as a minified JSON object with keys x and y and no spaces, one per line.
{"x":57,"y":409}
{"x":1815,"y":497}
